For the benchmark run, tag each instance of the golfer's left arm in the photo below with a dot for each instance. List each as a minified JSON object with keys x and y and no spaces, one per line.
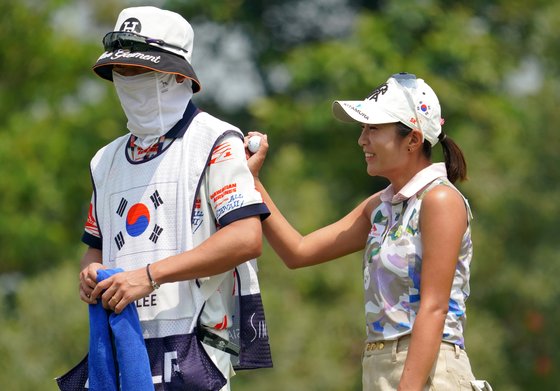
{"x":443,"y":221}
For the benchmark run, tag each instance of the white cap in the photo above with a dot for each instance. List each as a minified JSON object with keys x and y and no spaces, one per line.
{"x":402,"y":98}
{"x":153,"y":22}
{"x":168,"y":43}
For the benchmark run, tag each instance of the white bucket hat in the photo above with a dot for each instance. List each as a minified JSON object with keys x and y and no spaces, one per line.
{"x":402,"y":98}
{"x":151,"y":38}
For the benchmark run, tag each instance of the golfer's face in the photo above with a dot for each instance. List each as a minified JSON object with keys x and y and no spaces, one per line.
{"x":383,"y":149}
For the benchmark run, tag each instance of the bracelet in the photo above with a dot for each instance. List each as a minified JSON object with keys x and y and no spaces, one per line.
{"x":155,"y":285}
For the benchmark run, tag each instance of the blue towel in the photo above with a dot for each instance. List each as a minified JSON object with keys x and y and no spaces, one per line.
{"x":118,"y":359}
{"x":118,"y":351}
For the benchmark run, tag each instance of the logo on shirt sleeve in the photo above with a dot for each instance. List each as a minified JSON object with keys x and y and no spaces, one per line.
{"x":223,"y":195}
{"x":91,"y":224}
{"x":197,"y":216}
{"x":221,"y":153}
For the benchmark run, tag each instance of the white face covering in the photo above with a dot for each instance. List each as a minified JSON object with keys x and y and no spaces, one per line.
{"x":153,"y":102}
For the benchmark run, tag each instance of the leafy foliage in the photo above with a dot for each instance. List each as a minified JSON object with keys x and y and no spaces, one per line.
{"x":495,"y":68}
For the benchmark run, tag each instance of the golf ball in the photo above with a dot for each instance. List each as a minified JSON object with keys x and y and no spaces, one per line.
{"x":254,"y":143}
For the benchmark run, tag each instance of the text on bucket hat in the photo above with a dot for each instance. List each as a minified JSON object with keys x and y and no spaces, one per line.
{"x":151,"y":38}
{"x":402,"y":98}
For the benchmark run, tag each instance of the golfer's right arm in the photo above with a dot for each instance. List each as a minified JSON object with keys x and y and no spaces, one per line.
{"x":343,"y":237}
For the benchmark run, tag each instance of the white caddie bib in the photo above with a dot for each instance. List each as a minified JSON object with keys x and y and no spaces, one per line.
{"x":144,"y":212}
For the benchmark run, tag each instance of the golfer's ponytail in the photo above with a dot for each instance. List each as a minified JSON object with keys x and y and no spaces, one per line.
{"x":454,"y":159}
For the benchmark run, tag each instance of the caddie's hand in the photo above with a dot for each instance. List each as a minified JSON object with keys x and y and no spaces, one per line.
{"x":123,"y":288}
{"x":256,"y":160}
{"x":88,"y":281}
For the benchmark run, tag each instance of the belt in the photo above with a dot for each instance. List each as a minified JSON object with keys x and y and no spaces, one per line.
{"x":371,"y":346}
{"x":399,"y":344}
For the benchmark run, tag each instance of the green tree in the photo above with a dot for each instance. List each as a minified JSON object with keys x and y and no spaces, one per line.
{"x":53,"y":117}
{"x":495,"y":68}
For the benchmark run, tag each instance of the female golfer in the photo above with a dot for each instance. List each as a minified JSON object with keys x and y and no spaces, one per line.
{"x":416,"y":234}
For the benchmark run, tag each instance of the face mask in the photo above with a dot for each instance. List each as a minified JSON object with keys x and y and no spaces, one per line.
{"x":153,"y":103}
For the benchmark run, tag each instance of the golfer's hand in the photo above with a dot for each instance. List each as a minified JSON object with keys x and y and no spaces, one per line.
{"x":256,"y":160}
{"x":121,"y":289}
{"x":88,"y":281}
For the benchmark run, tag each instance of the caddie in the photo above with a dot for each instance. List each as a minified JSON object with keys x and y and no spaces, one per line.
{"x":174,"y":206}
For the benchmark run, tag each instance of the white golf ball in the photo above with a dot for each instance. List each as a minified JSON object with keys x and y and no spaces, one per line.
{"x":254,"y":143}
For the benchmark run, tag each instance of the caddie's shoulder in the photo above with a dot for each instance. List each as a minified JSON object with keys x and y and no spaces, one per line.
{"x":108,"y":151}
{"x":209,"y":123}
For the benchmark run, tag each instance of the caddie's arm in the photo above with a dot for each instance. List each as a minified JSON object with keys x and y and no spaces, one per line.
{"x":230,"y":246}
{"x":90,"y":263}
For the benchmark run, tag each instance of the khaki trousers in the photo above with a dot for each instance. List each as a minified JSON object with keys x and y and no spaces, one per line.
{"x":383,"y":364}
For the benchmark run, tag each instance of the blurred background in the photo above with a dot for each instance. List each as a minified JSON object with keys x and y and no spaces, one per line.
{"x":276,"y":66}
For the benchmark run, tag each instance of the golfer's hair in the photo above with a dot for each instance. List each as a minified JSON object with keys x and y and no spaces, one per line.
{"x":455,"y":162}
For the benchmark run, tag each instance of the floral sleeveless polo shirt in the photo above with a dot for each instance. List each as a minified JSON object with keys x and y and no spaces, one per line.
{"x":393,"y":263}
